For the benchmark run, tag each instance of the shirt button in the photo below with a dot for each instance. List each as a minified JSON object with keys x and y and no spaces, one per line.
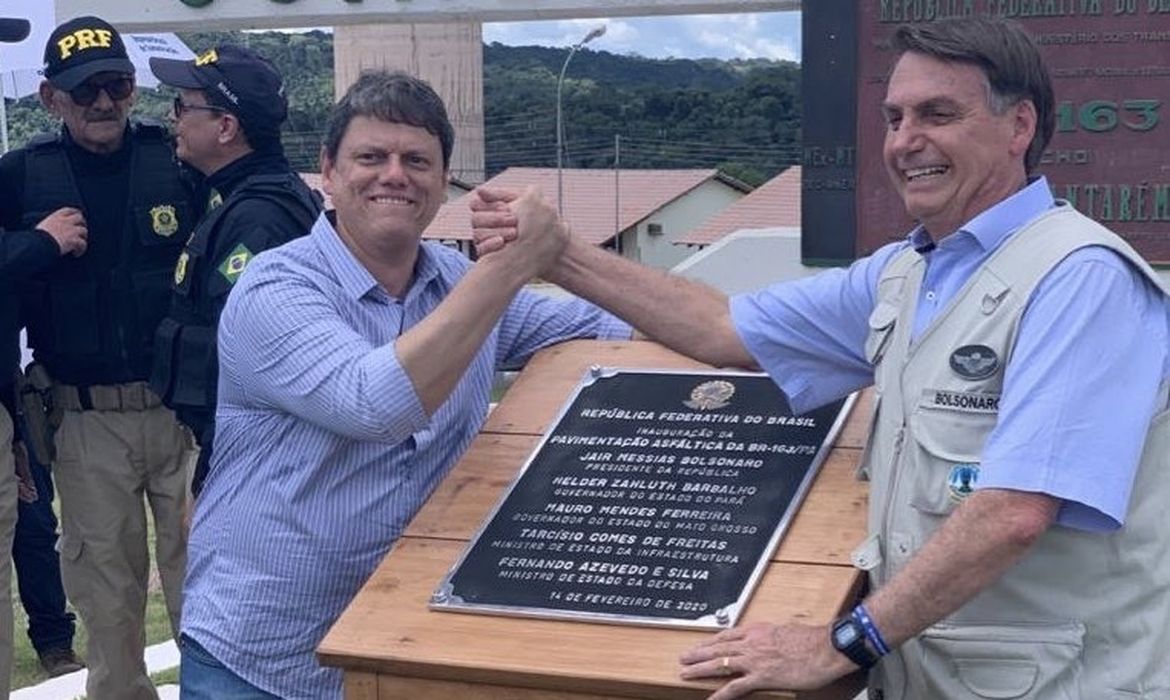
{"x":930,"y":296}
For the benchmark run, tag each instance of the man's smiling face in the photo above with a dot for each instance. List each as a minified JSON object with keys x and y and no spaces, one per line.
{"x":949,"y":155}
{"x":387,"y":181}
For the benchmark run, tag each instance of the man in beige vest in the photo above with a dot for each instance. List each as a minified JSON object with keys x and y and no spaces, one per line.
{"x":1017,"y":546}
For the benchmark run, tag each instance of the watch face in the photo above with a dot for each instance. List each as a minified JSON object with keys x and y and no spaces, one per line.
{"x":844,"y":635}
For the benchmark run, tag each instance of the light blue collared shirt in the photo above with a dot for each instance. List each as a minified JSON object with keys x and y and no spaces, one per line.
{"x":323,"y":452}
{"x":1085,"y":372}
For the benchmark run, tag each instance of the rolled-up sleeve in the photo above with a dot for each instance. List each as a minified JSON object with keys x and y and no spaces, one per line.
{"x":283,"y":344}
{"x":534,"y":321}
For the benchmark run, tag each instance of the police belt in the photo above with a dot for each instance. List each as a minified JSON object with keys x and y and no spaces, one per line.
{"x":134,"y":396}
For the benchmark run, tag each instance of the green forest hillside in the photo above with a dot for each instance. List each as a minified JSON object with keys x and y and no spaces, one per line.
{"x":741,"y":116}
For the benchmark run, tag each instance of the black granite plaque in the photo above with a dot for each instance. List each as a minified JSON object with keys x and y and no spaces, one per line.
{"x":656,"y":498}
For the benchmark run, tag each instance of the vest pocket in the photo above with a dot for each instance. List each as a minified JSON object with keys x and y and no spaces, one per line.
{"x":1002,"y":661}
{"x":151,"y":300}
{"x":948,"y":446}
{"x":881,"y":330}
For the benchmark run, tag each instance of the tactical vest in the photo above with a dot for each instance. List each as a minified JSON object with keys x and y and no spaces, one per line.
{"x":65,"y":310}
{"x":1083,"y":615}
{"x":186,"y":367}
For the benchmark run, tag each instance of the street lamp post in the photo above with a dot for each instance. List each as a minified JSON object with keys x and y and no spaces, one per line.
{"x":593,"y":34}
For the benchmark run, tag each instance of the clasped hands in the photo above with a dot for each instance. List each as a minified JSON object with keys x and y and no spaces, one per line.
{"x":524,"y":225}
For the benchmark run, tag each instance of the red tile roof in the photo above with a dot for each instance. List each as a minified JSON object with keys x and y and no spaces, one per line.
{"x":313,"y":180}
{"x":774,"y":203}
{"x":589,"y":198}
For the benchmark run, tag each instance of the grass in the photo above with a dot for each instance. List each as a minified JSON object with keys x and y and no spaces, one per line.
{"x":26,"y":668}
{"x":167,"y":677}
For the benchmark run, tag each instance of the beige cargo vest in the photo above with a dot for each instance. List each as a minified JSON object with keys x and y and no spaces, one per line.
{"x":1085,"y":616}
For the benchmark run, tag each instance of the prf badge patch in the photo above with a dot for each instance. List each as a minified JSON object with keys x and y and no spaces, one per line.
{"x":962,"y":480}
{"x":163,"y":220}
{"x":235,"y":263}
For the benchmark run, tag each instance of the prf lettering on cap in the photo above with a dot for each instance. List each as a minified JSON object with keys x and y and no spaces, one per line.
{"x":83,"y":39}
{"x":210,"y":56}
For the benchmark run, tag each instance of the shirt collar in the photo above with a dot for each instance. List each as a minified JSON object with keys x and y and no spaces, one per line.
{"x":991,"y":226}
{"x":355,"y":279}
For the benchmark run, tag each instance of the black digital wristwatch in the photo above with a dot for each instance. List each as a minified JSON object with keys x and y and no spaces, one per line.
{"x":849,"y":638}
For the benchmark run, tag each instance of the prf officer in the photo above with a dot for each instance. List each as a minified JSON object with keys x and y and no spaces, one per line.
{"x":91,"y":321}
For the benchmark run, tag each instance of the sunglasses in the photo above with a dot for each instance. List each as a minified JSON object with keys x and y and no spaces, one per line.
{"x":179,"y":107}
{"x":87,"y":93}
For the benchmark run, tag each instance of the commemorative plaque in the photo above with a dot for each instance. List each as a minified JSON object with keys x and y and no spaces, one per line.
{"x":656,"y":498}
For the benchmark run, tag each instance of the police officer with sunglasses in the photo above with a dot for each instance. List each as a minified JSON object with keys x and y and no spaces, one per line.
{"x":227,"y":120}
{"x":110,"y":216}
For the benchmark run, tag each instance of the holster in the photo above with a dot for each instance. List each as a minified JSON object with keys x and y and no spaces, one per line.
{"x":42,"y":416}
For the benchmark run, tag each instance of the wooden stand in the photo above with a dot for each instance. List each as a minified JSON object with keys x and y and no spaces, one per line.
{"x":392,"y":647}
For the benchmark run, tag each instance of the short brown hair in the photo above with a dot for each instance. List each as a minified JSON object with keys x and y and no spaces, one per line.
{"x":394,"y":97}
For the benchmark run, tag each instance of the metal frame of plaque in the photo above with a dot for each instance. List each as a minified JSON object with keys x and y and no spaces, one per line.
{"x":713,"y":391}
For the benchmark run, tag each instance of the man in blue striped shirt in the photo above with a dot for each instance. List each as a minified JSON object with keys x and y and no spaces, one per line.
{"x":356,"y":365}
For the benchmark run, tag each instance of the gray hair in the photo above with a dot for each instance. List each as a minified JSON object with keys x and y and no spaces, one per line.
{"x":1008,"y":57}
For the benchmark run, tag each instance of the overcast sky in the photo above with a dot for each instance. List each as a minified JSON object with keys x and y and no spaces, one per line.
{"x":774,"y":35}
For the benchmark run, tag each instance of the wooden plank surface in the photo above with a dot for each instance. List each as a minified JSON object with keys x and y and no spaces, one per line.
{"x":399,"y":688}
{"x":830,"y":524}
{"x":389,"y":630}
{"x":361,"y":686}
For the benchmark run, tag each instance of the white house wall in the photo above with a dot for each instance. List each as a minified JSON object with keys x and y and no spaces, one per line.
{"x":677,"y":219}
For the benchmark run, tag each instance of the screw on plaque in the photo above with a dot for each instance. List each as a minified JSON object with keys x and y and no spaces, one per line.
{"x":596,"y":371}
{"x":723,"y":617}
{"x":439,"y":597}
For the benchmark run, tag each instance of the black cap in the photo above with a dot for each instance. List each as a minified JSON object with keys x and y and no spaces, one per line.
{"x":82,"y":48}
{"x":13,"y":30}
{"x":233,"y":77}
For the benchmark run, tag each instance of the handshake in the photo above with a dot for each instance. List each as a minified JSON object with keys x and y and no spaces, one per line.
{"x":520,"y":229}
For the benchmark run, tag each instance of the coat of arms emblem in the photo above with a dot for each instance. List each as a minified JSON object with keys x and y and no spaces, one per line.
{"x":711,"y":395}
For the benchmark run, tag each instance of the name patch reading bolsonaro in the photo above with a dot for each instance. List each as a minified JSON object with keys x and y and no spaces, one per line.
{"x":656,"y":498}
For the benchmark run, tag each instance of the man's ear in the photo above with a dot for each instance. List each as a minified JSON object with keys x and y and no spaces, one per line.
{"x":326,"y":172}
{"x":229,"y":128}
{"x":1023,"y":126}
{"x":45,"y":92}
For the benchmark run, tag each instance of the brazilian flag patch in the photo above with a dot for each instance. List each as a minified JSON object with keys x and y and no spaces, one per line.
{"x":236,"y":261}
